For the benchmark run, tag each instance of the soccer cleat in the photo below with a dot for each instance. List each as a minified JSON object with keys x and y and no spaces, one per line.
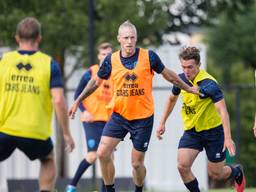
{"x":70,"y":188}
{"x":240,"y":181}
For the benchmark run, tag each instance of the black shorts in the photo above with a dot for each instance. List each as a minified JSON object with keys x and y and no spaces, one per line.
{"x":33,"y":148}
{"x":211,"y":140}
{"x":140,"y":130}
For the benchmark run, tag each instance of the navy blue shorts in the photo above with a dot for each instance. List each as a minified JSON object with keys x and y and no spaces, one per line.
{"x":211,"y":140}
{"x":93,"y":132}
{"x":140,"y":130}
{"x":33,"y":148}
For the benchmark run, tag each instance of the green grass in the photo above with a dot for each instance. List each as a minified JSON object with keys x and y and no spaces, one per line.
{"x":212,"y":190}
{"x":215,"y":190}
{"x":228,"y":190}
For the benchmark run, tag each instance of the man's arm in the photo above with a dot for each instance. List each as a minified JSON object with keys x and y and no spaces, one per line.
{"x":172,"y":77}
{"x":228,"y":142}
{"x":61,"y":111}
{"x":91,"y":86}
{"x":82,"y":84}
{"x":157,"y":65}
{"x":167,"y":111}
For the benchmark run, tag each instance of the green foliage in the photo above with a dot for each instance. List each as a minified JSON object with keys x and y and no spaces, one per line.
{"x":62,"y":27}
{"x":232,"y":44}
{"x":233,"y":41}
{"x":146,"y":15}
{"x":65,"y":22}
{"x":241,"y":84}
{"x":227,"y":7}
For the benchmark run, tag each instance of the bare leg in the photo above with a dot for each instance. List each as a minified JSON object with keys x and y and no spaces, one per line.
{"x":139,"y":169}
{"x":91,"y":157}
{"x":105,"y":150}
{"x":186,"y":158}
{"x":219,"y":171}
{"x":47,"y":173}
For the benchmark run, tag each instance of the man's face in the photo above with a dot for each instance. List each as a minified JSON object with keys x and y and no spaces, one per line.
{"x":190,"y":68}
{"x":103,"y":53}
{"x":127,"y":39}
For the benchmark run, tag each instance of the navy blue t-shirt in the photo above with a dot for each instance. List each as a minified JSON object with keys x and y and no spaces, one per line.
{"x":130,"y":63}
{"x":82,"y":84}
{"x":208,"y":88}
{"x":55,"y":79}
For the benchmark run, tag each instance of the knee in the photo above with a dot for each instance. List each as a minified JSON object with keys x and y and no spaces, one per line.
{"x":91,"y":157}
{"x":103,"y":155}
{"x":216,"y":175}
{"x":137,"y":164}
{"x":183,"y":168}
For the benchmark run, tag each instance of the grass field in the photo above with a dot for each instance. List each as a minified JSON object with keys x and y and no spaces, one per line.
{"x":212,"y":190}
{"x":228,"y":190}
{"x":216,"y":190}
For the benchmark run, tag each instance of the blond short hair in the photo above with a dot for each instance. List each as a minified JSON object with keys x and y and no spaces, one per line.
{"x":127,"y":24}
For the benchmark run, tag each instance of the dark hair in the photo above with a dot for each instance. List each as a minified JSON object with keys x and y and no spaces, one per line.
{"x":104,"y":46}
{"x":28,"y":29}
{"x":188,"y":53}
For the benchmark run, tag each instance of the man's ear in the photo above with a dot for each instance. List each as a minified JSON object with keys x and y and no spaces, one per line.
{"x":118,"y":38}
{"x":39,"y":39}
{"x":17,"y":38}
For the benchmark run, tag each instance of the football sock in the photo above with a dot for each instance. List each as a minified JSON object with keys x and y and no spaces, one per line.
{"x":192,"y":186}
{"x":110,"y":188}
{"x":103,"y":189}
{"x":138,"y":188}
{"x":234,"y":171}
{"x":79,"y":172}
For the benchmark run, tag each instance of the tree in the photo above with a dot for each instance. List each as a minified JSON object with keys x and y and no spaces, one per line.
{"x":65,"y":27}
{"x":61,"y":29}
{"x":236,"y":37}
{"x":231,"y":46}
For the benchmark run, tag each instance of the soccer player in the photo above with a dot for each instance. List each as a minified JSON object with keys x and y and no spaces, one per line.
{"x":30,"y":86}
{"x":132,"y":70}
{"x":206,"y":122}
{"x":94,"y":114}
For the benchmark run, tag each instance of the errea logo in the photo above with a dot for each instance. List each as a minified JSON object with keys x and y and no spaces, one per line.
{"x":21,"y":66}
{"x":130,"y":77}
{"x":217,"y":156}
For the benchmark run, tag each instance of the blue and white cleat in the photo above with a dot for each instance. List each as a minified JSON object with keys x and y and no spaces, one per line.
{"x":70,"y":188}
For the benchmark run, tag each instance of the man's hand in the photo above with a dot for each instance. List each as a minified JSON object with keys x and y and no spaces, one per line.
{"x":73,"y":109}
{"x":195,"y":90}
{"x":230,"y":145}
{"x":160,"y":131}
{"x":70,"y":144}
